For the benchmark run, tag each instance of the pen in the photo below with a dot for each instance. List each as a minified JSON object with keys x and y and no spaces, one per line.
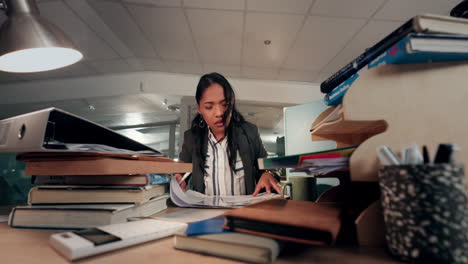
{"x":444,"y":153}
{"x":425,"y":154}
{"x":185,"y":177}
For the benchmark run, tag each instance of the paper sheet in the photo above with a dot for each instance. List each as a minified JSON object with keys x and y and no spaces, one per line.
{"x":191,"y":215}
{"x":192,"y":198}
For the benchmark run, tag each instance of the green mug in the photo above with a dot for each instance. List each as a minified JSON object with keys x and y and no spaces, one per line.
{"x":302,"y":188}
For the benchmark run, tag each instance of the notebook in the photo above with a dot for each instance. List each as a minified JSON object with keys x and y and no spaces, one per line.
{"x":287,"y":220}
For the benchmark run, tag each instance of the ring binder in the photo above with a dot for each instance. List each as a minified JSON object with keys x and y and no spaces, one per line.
{"x":52,"y":128}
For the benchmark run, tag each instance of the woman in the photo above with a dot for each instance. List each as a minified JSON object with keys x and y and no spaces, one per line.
{"x":222,"y":146}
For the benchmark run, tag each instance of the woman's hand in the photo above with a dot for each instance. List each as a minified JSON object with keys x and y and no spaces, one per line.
{"x":183,"y":185}
{"x":267,"y":181}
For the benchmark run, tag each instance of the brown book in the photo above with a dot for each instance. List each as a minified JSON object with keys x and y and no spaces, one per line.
{"x":103,"y":165}
{"x":79,"y":216}
{"x":232,"y":245}
{"x":287,"y":220}
{"x":106,"y":180}
{"x":72,"y":155}
{"x":58,"y":194}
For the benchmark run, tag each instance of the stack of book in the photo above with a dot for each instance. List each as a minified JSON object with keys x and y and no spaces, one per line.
{"x":251,"y":234}
{"x":85,"y":189}
{"x":422,"y":39}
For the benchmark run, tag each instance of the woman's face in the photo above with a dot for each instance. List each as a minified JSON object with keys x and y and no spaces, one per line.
{"x":212,"y":106}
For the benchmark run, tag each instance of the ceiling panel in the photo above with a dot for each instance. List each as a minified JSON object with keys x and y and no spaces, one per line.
{"x":166,"y":3}
{"x":280,"y":29}
{"x":226,"y":70}
{"x":282,"y":6}
{"x":92,"y":46}
{"x":346,"y":8}
{"x":290,"y":75}
{"x":144,"y":64}
{"x":199,"y":36}
{"x":405,"y":9}
{"x":217,"y":34}
{"x":372,"y":32}
{"x":110,"y":66}
{"x":97,"y":24}
{"x":320,"y":40}
{"x":117,"y":17}
{"x":216,"y":4}
{"x":259,"y":73}
{"x":168,"y":31}
{"x":184,"y":67}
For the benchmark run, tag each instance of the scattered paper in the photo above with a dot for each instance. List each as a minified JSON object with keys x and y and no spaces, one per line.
{"x":191,"y":215}
{"x":334,"y":115}
{"x":101,"y":148}
{"x":192,"y":198}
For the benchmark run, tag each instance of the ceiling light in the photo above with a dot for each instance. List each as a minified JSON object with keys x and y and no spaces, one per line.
{"x":173,"y":108}
{"x":29,"y":43}
{"x":267,"y":42}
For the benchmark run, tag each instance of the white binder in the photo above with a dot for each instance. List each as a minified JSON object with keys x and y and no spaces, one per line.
{"x":50,"y":129}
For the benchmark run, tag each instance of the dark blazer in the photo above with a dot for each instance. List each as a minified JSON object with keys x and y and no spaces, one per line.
{"x":250,"y":149}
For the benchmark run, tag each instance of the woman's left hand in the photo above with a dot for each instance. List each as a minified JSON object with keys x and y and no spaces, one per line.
{"x":267,"y":181}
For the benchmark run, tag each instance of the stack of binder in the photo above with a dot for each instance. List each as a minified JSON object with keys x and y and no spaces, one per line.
{"x":86,"y":187}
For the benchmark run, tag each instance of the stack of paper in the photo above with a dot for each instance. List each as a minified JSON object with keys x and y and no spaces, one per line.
{"x":192,"y":198}
{"x":320,"y":166}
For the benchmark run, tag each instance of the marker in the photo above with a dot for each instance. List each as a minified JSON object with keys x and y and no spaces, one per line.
{"x":444,"y":153}
{"x":425,"y":155}
{"x":387,"y":157}
{"x":414,"y":157}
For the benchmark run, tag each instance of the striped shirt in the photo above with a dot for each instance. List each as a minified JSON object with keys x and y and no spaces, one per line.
{"x":219,"y":178}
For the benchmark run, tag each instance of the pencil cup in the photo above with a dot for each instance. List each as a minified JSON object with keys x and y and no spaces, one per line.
{"x":426,"y":212}
{"x":302,"y":188}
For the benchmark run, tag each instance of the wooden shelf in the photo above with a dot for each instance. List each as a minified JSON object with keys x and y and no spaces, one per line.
{"x":398,"y":105}
{"x":346,"y":132}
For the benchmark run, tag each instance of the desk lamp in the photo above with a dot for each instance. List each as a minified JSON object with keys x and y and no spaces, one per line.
{"x":30,"y":43}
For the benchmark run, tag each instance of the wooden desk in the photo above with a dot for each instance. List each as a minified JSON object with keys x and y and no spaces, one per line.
{"x":31,"y":246}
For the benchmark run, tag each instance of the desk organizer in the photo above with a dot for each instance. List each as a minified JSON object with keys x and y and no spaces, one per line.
{"x":426,"y":212}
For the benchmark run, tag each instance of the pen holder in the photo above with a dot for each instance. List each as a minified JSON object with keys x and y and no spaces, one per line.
{"x":425,"y":212}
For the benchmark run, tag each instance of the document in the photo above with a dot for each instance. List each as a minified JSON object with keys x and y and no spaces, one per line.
{"x":191,"y":215}
{"x":192,"y":198}
{"x":322,"y":166}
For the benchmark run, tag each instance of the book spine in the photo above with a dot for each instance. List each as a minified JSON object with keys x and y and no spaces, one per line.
{"x":335,"y":97}
{"x":392,"y":55}
{"x":362,"y":60}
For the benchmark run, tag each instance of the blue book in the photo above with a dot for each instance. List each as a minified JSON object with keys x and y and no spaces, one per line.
{"x":210,"y":226}
{"x":407,"y":51}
